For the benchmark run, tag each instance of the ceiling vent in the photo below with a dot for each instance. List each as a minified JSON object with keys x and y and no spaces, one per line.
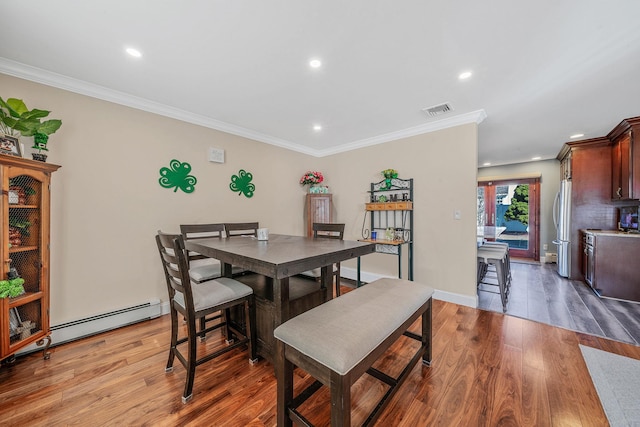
{"x":438,"y":110}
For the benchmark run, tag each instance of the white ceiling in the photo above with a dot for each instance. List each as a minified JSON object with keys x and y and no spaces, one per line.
{"x":542,"y":70}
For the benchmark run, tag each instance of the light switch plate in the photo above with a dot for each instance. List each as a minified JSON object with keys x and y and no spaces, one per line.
{"x":216,"y":155}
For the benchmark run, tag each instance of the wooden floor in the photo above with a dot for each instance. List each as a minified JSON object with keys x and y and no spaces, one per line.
{"x":488,"y":369}
{"x":539,"y":293}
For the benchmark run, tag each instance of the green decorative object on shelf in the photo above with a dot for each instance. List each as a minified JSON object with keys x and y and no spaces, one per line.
{"x":389,"y":174}
{"x":242,"y":184}
{"x":319,"y":189}
{"x":11,"y":288}
{"x":177,"y":175}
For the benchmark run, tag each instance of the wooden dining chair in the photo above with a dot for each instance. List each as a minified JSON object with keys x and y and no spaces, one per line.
{"x":327,"y":231}
{"x":195,"y":301}
{"x":203,"y":268}
{"x":238,"y":229}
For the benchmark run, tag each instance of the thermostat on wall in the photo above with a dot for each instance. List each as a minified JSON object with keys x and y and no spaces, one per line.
{"x":216,"y":155}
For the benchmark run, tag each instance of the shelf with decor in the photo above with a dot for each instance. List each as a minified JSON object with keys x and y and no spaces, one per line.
{"x":390,"y":219}
{"x":24,"y":250}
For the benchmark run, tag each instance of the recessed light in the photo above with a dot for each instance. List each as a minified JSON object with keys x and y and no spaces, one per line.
{"x":576,"y":135}
{"x":486,"y":164}
{"x":536,"y":158}
{"x":465,"y":75}
{"x":315,"y":63}
{"x":317,"y":128}
{"x":133,"y":52}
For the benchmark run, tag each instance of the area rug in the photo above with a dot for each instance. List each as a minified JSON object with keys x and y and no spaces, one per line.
{"x":617,"y":381}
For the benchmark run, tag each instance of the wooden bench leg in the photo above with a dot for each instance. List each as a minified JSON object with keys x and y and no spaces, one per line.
{"x":284,"y":376}
{"x":340,"y":400}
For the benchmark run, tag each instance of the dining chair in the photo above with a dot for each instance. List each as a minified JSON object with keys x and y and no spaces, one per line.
{"x":195,"y":301}
{"x":327,"y":231}
{"x":238,"y":229}
{"x":201,"y":267}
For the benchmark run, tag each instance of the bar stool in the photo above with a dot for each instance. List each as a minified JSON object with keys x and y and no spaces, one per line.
{"x":504,"y":246}
{"x":497,"y":257}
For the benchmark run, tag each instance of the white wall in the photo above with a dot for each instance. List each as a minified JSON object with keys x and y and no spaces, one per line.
{"x":107,"y":204}
{"x":549,"y":172}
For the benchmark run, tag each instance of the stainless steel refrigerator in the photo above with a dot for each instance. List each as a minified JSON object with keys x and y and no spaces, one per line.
{"x":561,"y":219}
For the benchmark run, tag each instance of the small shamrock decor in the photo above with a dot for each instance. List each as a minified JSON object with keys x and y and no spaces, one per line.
{"x":241,"y":183}
{"x":178,"y":176}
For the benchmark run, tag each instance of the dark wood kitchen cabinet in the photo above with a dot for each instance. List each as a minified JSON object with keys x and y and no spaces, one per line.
{"x":610,"y":263}
{"x":588,"y":264}
{"x":625,"y":160}
{"x":591,"y":206}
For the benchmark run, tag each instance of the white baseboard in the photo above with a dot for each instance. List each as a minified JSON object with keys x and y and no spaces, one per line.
{"x":92,"y":325}
{"x":469,"y":301}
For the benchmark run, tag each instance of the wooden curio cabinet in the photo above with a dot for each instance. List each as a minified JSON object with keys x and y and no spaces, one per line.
{"x":24,"y":251}
{"x":318,"y":209}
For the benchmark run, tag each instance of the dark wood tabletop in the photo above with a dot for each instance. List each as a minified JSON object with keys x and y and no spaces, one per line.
{"x":279,"y":258}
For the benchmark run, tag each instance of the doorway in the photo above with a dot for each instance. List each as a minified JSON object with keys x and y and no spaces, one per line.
{"x":513,"y":208}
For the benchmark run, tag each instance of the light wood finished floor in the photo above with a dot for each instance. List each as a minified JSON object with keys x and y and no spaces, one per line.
{"x":488,"y":369}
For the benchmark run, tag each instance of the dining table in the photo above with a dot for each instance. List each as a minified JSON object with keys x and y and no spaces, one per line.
{"x":278,"y":259}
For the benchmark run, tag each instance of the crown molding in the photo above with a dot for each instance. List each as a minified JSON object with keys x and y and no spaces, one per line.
{"x":60,"y":81}
{"x":461,"y":119}
{"x":48,"y":78}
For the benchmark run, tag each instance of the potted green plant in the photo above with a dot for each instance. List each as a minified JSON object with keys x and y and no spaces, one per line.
{"x":16,"y":117}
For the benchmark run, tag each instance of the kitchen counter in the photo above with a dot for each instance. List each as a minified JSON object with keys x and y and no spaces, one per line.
{"x":609,"y":263}
{"x":612,"y":232}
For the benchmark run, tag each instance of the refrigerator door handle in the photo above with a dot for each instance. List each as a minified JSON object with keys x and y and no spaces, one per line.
{"x":555,"y":209}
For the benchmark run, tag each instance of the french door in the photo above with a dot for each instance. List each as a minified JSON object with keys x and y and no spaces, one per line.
{"x":513,"y":208}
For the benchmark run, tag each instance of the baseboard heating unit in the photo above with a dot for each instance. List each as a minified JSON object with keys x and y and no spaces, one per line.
{"x":92,"y":325}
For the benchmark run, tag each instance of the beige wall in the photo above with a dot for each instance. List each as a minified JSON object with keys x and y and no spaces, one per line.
{"x":107,"y":203}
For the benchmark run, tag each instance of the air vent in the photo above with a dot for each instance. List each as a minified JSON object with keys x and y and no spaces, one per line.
{"x":438,"y":110}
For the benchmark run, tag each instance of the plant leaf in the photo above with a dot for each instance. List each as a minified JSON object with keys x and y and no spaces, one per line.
{"x":50,"y":126}
{"x":16,"y":107}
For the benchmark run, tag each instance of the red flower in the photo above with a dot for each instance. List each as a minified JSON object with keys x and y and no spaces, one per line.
{"x":311,"y":177}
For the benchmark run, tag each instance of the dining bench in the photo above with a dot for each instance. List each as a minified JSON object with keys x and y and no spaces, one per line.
{"x":339,"y":341}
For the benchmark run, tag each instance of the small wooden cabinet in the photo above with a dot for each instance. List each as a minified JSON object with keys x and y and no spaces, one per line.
{"x":625,"y":160}
{"x":318,"y":208}
{"x":24,"y":251}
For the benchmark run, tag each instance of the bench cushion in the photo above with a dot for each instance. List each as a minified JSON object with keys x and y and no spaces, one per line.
{"x":342,"y":332}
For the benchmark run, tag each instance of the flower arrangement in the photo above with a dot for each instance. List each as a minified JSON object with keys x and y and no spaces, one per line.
{"x":311,"y":177}
{"x":390,"y":173}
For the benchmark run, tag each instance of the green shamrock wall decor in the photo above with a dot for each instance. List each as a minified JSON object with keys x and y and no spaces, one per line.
{"x":178,"y":176}
{"x":241,"y":183}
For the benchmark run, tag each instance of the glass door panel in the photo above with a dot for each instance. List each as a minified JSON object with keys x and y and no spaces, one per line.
{"x":506,"y":213}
